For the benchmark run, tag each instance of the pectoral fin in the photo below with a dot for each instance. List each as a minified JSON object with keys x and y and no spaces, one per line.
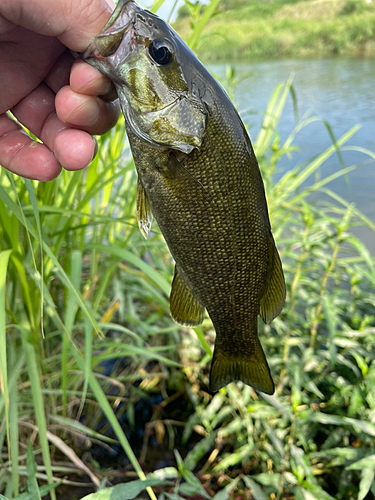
{"x":185,"y":308}
{"x":274,"y":297}
{"x":144,"y":214}
{"x":183,"y":184}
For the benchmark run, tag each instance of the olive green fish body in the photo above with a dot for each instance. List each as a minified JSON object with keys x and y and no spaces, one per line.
{"x":216,"y":225}
{"x":198,"y":176}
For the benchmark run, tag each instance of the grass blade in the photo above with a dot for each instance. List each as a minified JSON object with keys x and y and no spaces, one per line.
{"x":127,"y":491}
{"x":13,"y":416}
{"x":199,"y":27}
{"x":203,"y":341}
{"x":4,"y":259}
{"x":137,"y":262}
{"x":71,"y":310}
{"x":37,"y":397}
{"x":107,"y":410}
{"x":272,"y":116}
{"x":63,"y":276}
{"x":32,"y":484}
{"x":288,"y":185}
{"x":34,"y":204}
{"x":156,"y":5}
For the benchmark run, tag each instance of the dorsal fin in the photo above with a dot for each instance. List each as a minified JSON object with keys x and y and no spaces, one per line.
{"x":274,"y":296}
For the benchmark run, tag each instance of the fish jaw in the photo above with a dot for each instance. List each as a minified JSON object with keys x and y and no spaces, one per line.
{"x":114,"y":44}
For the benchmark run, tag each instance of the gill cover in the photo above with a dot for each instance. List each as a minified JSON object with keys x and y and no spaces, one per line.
{"x":156,"y":96}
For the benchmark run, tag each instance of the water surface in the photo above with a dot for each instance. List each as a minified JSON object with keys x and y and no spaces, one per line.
{"x":340,"y":91}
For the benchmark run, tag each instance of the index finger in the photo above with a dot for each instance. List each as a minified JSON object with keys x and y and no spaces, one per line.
{"x":85,"y":79}
{"x":73,"y":22}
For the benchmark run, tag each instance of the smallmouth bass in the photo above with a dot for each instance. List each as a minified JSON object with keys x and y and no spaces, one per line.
{"x":198,"y":176}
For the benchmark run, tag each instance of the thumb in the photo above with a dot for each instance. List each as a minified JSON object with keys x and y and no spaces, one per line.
{"x":73,"y":22}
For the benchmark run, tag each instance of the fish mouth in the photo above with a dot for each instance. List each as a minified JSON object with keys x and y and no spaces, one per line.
{"x":103,"y":52}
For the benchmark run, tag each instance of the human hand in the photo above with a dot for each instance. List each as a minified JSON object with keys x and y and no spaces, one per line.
{"x":59,"y":99}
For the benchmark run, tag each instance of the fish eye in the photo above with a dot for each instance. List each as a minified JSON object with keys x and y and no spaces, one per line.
{"x":160,"y":52}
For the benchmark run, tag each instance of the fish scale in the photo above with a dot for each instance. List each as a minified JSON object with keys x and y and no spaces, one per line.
{"x":198,"y":176}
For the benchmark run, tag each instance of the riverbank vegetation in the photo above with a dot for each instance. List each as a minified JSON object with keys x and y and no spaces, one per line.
{"x":247,"y":30}
{"x":100,"y":387}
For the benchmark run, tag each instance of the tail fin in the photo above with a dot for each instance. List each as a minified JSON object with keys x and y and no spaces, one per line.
{"x":252,"y":370}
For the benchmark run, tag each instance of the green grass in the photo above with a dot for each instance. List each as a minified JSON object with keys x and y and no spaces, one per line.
{"x":313,"y":28}
{"x":80,"y":286}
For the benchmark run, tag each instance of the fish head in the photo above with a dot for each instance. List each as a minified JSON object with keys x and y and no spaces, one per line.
{"x":155,"y":75}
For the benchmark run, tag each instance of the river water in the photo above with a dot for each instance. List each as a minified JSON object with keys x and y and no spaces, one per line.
{"x":340,"y":91}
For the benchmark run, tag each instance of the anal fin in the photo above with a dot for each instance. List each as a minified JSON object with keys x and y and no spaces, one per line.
{"x":144,"y":214}
{"x":274,"y":297}
{"x":185,"y":308}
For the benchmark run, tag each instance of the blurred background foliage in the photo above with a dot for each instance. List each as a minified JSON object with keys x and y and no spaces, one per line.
{"x":100,"y":387}
{"x":246,"y":29}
